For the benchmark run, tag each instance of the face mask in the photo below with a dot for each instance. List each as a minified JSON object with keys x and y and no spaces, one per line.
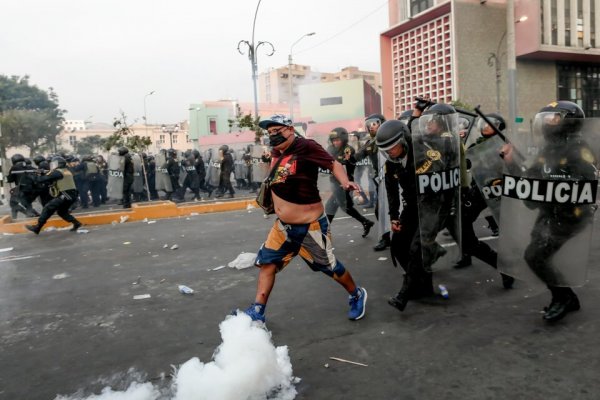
{"x":276,"y":140}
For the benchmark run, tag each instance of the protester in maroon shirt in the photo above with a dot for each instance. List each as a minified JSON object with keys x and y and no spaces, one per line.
{"x":301,"y":226}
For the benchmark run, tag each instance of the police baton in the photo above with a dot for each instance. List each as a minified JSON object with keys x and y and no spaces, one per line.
{"x":497,"y":132}
{"x":30,"y":171}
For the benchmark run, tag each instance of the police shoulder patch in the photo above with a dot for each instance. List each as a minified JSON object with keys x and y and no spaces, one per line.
{"x":587,"y":155}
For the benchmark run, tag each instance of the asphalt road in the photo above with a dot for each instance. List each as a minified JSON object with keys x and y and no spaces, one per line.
{"x":68,"y":320}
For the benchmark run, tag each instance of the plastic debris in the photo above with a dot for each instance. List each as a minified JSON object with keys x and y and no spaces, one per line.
{"x":163,"y":280}
{"x":217,"y":268}
{"x":348,"y":361}
{"x":194,"y":214}
{"x":326,"y":365}
{"x":151,"y":222}
{"x":126,"y":242}
{"x":6,"y":249}
{"x":61,"y":276}
{"x":8,"y":234}
{"x":116,"y":265}
{"x":174,"y":247}
{"x":154,"y":255}
{"x":185,"y":290}
{"x":244,"y":260}
{"x":83,"y":231}
{"x":165,"y":246}
{"x":351,"y":241}
{"x":382,"y":259}
{"x":443,"y":291}
{"x":124,"y":219}
{"x":141,"y":296}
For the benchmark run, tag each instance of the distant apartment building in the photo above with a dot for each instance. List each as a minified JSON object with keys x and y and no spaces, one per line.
{"x":74,"y":125}
{"x":274,"y":85}
{"x":456,"y":50}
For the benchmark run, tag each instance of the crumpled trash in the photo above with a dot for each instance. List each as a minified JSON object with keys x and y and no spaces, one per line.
{"x":83,"y":231}
{"x":174,"y":247}
{"x":124,"y":219}
{"x":244,"y":260}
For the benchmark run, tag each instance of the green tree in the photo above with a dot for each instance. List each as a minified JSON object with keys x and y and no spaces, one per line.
{"x":123,"y":136}
{"x":29,"y":116}
{"x":90,"y":144}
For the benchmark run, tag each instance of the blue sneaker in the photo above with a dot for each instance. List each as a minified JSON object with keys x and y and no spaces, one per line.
{"x":358,"y":305}
{"x":256,"y":311}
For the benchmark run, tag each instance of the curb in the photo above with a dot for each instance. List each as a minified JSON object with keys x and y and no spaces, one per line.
{"x":138,"y":212}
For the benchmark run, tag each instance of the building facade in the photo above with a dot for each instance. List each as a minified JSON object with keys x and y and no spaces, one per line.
{"x":456,"y":50}
{"x":274,"y":85}
{"x":338,"y":100}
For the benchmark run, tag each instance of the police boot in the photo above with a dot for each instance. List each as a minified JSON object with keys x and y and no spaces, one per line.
{"x":76,"y":225}
{"x":384,"y":243}
{"x":465,"y":261}
{"x":564,"y":300}
{"x":401,"y":299}
{"x":34,"y":228}
{"x":507,"y":281}
{"x":367,"y":225}
{"x":492,"y":225}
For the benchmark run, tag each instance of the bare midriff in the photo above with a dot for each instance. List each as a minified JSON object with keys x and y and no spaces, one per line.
{"x":292,"y":213}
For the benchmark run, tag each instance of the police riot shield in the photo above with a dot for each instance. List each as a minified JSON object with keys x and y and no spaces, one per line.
{"x":162,"y":181}
{"x":138,"y":174}
{"x":436,"y":146}
{"x":238,"y":165}
{"x":192,"y":177}
{"x":116,"y":167}
{"x":213,"y":172}
{"x":547,"y":207}
{"x":260,"y":169}
{"x":384,"y":224}
{"x":487,"y":169}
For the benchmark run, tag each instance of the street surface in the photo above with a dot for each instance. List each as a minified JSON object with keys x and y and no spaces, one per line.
{"x":69,"y":321}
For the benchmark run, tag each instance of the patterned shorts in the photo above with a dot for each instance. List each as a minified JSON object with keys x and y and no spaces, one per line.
{"x":311,"y":241}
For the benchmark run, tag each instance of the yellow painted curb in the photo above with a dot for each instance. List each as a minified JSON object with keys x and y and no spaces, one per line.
{"x":138,"y":212}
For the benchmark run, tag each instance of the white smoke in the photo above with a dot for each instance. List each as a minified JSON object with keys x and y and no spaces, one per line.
{"x":246,"y":366}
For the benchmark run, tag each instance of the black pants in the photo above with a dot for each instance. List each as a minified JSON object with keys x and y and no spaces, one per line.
{"x":225,"y":185}
{"x":127,"y":193}
{"x":471,"y":245}
{"x":341,"y":198}
{"x":549,"y":234}
{"x":96,"y":191}
{"x":59,"y":205}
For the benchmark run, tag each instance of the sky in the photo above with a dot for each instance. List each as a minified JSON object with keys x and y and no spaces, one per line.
{"x":104,"y":56}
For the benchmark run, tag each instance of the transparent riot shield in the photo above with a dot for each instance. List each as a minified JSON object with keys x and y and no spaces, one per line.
{"x":116,"y":167}
{"x":487,"y":169}
{"x":213,"y":172}
{"x":138,"y":174}
{"x":162,"y":180}
{"x":547,"y":207}
{"x":260,"y":169}
{"x":436,"y":148}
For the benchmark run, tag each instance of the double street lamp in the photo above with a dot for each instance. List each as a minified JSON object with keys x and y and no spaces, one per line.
{"x":290,"y":76}
{"x":252,"y":49}
{"x":170,"y":129}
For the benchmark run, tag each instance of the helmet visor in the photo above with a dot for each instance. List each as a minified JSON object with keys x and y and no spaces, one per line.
{"x":436,"y":124}
{"x":372,"y":124}
{"x":393,"y":151}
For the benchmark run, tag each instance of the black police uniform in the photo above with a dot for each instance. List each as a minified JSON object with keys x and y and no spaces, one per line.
{"x":127,"y":180}
{"x":64,"y":191}
{"x":340,"y":197}
{"x":173,"y":169}
{"x":225,"y":176}
{"x":20,"y":195}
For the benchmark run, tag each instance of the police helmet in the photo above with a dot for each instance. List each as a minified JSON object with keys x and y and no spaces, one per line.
{"x":444,"y":115}
{"x":68,"y":158}
{"x":187,"y":153}
{"x":405,"y":116}
{"x":224,"y":148}
{"x":373,"y":122}
{"x":196,"y":154}
{"x":390,"y":134}
{"x":339,"y":133}
{"x":172,"y":153}
{"x":560,"y":119}
{"x":58,"y":162}
{"x":17,"y":158}
{"x":45,"y":165}
{"x":28,"y":162}
{"x":123,"y":150}
{"x":38,"y":159}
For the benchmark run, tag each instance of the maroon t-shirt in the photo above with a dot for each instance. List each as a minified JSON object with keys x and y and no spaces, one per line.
{"x":296,"y":177}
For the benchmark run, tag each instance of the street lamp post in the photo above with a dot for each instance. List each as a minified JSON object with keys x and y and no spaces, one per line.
{"x":290,"y":76}
{"x":494,"y":61}
{"x":252,"y":49}
{"x":145,"y":116}
{"x":170,"y":129}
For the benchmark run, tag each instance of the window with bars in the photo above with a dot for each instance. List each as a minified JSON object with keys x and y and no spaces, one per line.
{"x":580,"y":83}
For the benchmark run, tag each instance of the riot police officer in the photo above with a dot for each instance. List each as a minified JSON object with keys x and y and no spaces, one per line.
{"x":192,"y":179}
{"x":200,"y":169}
{"x":94,"y":179}
{"x":19,"y":174}
{"x":127,"y":176}
{"x":342,"y":152}
{"x":226,"y":170}
{"x":566,"y":160}
{"x":63,"y":190}
{"x":394,"y":142}
{"x":372,"y":124}
{"x":173,"y":169}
